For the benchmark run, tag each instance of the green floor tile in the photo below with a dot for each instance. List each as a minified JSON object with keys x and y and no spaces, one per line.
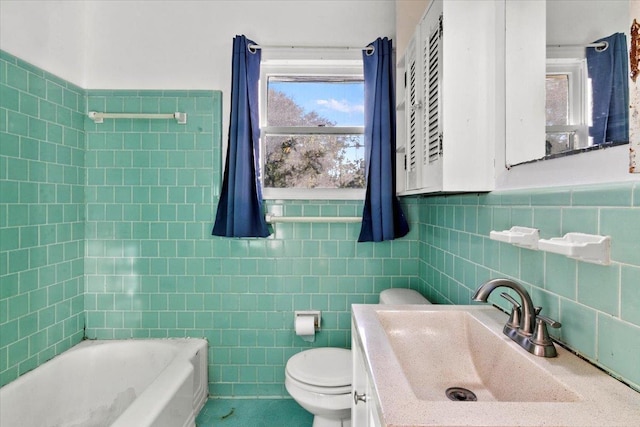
{"x":254,"y":413}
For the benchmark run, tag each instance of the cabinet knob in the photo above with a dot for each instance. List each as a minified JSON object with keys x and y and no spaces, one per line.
{"x":359,"y":397}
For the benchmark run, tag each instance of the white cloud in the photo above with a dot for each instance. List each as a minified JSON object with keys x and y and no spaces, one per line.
{"x":343,"y":106}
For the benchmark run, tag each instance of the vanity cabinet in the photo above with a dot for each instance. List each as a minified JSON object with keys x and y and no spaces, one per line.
{"x":364,"y":406}
{"x":450,"y":91}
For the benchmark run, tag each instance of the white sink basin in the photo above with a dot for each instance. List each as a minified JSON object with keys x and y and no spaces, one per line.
{"x":414,"y":353}
{"x":439,"y":350}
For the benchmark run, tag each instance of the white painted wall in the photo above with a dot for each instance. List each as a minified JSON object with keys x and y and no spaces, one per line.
{"x":49,"y":34}
{"x":173,"y":44}
{"x":408,"y":14}
{"x":572,"y":22}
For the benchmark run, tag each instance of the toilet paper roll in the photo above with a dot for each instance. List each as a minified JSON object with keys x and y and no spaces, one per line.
{"x":305,"y":328}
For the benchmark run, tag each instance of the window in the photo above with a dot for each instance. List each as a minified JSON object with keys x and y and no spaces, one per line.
{"x":312,"y":129}
{"x":566,"y":101}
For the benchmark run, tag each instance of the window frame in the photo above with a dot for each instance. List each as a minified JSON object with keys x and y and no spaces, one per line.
{"x":307,"y":66}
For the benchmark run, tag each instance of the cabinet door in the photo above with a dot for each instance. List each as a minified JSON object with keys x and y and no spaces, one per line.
{"x":363,"y":410}
{"x":414,"y":108}
{"x":359,"y":410}
{"x":431,"y":57}
{"x":423,"y":94}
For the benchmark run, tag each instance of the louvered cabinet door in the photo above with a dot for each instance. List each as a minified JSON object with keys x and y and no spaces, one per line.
{"x":431,"y":114}
{"x":414,"y":108}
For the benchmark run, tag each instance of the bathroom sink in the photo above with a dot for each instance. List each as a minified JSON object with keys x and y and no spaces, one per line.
{"x":452,"y":350}
{"x":443,"y":365}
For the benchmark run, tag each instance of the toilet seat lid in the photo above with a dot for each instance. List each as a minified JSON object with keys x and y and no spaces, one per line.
{"x":325,"y":367}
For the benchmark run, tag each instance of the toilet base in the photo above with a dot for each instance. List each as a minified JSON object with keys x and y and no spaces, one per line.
{"x":320,"y":421}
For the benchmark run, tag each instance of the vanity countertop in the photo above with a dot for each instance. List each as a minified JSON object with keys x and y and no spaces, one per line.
{"x":589,"y":396}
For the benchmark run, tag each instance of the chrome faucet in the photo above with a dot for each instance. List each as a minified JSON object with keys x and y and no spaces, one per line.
{"x":527,"y":327}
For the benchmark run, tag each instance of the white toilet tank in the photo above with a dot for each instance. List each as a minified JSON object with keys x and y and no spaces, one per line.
{"x":402,"y":296}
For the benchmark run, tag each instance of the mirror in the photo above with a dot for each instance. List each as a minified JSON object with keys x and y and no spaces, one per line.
{"x":562,"y":110}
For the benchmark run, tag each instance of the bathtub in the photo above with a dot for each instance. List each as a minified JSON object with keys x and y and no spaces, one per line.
{"x":120,"y":383}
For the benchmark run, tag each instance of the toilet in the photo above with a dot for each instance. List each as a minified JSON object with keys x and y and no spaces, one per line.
{"x":319,"y":379}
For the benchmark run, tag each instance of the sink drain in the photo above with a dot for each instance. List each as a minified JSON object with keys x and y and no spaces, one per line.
{"x":460,"y":394}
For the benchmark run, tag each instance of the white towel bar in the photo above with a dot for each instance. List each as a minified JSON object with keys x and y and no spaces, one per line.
{"x":271,"y":219}
{"x":181,"y":118}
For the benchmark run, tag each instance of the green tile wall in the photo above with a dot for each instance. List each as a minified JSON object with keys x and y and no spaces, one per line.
{"x":154,"y":270}
{"x":41,"y":216}
{"x":598,"y":306}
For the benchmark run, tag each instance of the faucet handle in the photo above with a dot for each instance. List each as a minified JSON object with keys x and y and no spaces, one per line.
{"x":540,"y":342}
{"x":537,"y":310}
{"x":549,"y":321}
{"x":540,"y":333}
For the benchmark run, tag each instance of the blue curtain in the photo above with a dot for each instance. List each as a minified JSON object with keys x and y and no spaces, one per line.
{"x":382,"y":216}
{"x":240,"y":212}
{"x":608,"y":70}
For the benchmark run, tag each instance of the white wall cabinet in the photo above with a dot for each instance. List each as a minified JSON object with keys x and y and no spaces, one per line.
{"x":450,"y":91}
{"x":364,"y":412}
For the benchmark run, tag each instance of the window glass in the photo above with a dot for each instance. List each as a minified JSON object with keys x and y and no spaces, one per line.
{"x":314,"y":161}
{"x":558,"y":140}
{"x":312,"y":134}
{"x":557,"y":102}
{"x":315,"y":101}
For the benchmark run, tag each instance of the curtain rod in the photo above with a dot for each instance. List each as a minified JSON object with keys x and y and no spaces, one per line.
{"x":369,"y":49}
{"x":600,"y":46}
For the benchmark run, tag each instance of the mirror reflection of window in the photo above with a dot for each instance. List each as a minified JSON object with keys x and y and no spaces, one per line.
{"x":566,"y":106}
{"x":557,"y":99}
{"x":557,"y":108}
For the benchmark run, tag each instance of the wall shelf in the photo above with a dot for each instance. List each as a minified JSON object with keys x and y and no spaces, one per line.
{"x":580,"y":246}
{"x":523,"y":237}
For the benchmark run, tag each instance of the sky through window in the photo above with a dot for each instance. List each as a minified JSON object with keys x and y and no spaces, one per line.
{"x":340,"y":103}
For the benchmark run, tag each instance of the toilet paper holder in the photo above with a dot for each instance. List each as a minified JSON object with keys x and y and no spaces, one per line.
{"x":316,"y":317}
